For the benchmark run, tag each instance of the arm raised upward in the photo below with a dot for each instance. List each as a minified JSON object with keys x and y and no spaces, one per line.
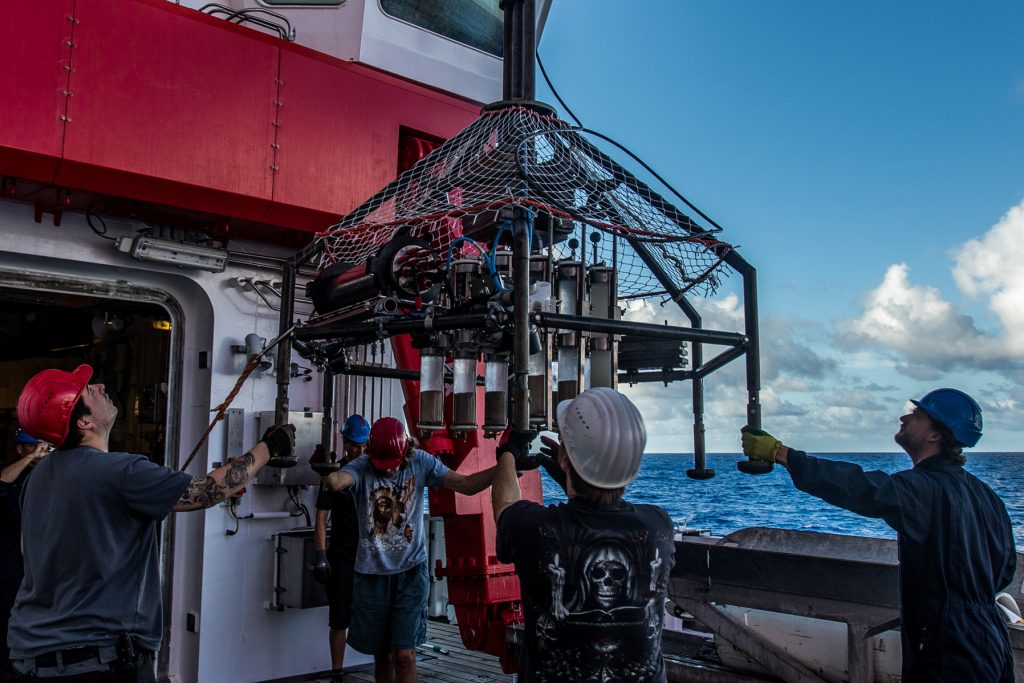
{"x":212,"y":488}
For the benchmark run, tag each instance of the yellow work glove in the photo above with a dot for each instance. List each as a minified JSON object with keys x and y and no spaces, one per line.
{"x":759,"y":444}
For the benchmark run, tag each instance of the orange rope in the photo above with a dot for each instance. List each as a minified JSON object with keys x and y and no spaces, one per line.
{"x":222,"y":409}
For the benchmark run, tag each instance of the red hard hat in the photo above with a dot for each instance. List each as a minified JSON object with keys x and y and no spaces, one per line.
{"x":389,"y":442}
{"x":47,"y":400}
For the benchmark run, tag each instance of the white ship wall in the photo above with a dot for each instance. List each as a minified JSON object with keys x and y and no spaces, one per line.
{"x":226,"y":582}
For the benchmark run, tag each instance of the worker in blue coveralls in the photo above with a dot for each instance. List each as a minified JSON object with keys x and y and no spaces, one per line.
{"x":335,"y":563}
{"x":389,"y":605}
{"x":955,"y":540}
{"x":28,"y":450}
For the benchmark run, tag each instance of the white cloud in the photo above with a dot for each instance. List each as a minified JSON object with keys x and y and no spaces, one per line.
{"x":921,"y":373}
{"x":928,"y":335}
{"x":917,"y":324}
{"x":993,"y":266}
{"x":842,"y":389}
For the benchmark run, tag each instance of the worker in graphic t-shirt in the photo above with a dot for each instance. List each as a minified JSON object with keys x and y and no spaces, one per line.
{"x":389,"y":610}
{"x":593,"y":571}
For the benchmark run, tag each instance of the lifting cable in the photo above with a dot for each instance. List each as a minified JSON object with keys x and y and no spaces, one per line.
{"x":222,"y":409}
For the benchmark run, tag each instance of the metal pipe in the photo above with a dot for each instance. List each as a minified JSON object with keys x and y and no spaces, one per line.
{"x":327,"y":423}
{"x":570,"y":322}
{"x":394,"y":327}
{"x":528,"y":50}
{"x":697,"y":358}
{"x":720,"y":360}
{"x":750,"y":324}
{"x":700,"y":470}
{"x":380,"y":394}
{"x":284,"y":347}
{"x":373,"y":383}
{"x":519,"y":53}
{"x":362,"y":401}
{"x":581,"y":290}
{"x":515,"y":55}
{"x":521,"y":331}
{"x":509,"y":53}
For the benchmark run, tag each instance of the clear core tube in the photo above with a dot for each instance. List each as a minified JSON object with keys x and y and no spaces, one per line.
{"x":465,"y":393}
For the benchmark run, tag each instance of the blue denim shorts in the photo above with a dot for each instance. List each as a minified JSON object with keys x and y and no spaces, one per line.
{"x":389,"y":612}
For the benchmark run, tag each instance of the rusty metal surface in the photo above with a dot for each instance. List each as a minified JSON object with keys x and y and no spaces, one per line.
{"x":828,"y":567}
{"x":850,"y":579}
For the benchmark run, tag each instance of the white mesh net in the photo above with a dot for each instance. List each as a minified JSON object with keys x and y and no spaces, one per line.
{"x":517,"y":156}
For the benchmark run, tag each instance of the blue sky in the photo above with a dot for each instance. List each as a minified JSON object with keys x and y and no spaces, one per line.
{"x":868,"y":159}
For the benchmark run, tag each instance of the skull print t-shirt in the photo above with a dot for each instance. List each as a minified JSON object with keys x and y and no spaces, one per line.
{"x":593,"y":581}
{"x":389,"y":511}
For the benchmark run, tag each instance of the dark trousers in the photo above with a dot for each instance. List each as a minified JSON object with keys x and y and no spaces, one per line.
{"x":143,"y":672}
{"x":8,"y":591}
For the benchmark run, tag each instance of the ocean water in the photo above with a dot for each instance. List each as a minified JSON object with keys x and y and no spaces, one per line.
{"x":732,"y":500}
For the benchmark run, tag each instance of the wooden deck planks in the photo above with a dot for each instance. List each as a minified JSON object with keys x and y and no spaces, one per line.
{"x":459,"y":665}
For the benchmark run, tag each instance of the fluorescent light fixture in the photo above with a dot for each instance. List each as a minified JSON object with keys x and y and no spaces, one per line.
{"x":181,"y":254}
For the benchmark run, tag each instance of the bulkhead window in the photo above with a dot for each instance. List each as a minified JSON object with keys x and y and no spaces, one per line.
{"x":476,"y":23}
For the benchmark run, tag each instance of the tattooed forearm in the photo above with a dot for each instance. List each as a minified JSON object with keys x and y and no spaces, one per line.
{"x":209,"y":489}
{"x":239,"y":471}
{"x":203,"y":492}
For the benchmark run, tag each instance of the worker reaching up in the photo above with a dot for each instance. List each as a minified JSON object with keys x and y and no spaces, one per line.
{"x":593,"y":571}
{"x":389,"y":609}
{"x":954,"y":537}
{"x":89,"y":606}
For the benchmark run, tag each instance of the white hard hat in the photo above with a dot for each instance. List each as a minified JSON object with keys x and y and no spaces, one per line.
{"x":604,"y":436}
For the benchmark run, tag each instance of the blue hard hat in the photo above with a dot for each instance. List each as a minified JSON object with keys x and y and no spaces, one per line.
{"x":956,"y":410}
{"x":22,"y":437}
{"x":356,"y":429}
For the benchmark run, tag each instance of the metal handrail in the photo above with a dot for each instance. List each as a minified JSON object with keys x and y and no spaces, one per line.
{"x":246,"y":15}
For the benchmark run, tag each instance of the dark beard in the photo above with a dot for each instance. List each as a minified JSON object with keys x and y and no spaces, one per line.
{"x":907,"y":442}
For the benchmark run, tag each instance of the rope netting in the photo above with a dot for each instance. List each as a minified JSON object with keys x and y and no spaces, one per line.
{"x":574,"y":192}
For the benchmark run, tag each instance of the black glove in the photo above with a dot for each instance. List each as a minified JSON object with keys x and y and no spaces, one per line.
{"x":548,"y":459}
{"x":549,"y":448}
{"x":517,"y":442}
{"x":322,"y":568}
{"x":321,"y":463}
{"x":280,"y":441}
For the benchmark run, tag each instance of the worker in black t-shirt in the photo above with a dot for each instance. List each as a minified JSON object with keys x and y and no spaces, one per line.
{"x":335,"y":562}
{"x":594,"y":571}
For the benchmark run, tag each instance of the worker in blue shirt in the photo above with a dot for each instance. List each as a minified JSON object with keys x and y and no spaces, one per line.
{"x":955,"y":540}
{"x":28,"y":450}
